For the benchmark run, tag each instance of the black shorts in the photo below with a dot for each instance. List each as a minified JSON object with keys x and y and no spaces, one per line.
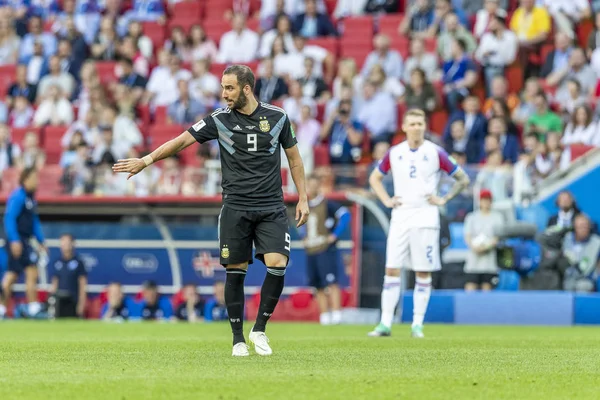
{"x":322,"y":268}
{"x":238,"y":230}
{"x":480,"y":279}
{"x":29,"y":258}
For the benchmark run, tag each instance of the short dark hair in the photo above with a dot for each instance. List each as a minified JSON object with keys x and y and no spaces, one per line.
{"x":26,"y":173}
{"x":127,"y":60}
{"x":243,"y":74}
{"x":69,"y":235}
{"x":150,"y":284}
{"x":461,"y":43}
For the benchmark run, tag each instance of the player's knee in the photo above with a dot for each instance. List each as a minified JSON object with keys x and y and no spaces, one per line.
{"x":393,"y":272}
{"x":423,"y":275}
{"x":276,"y":261}
{"x":243,"y":266}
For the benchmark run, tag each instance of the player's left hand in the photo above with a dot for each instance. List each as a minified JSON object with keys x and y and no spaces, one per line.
{"x":131,"y":165}
{"x":435,"y":200}
{"x":302,"y":212}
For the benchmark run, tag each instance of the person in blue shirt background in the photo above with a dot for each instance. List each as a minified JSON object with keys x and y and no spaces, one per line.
{"x":154,"y":306}
{"x":69,"y":281}
{"x":21,"y":224}
{"x":326,"y":223}
{"x":214,"y":309}
{"x":118,"y":307}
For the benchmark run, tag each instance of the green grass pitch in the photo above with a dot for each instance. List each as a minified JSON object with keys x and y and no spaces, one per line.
{"x":95,"y":360}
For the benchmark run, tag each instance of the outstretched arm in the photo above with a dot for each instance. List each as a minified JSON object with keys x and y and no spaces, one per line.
{"x":166,"y":150}
{"x":297,"y":170}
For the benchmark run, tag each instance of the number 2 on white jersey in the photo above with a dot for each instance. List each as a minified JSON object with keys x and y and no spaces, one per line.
{"x":252,"y":142}
{"x":413,"y":172}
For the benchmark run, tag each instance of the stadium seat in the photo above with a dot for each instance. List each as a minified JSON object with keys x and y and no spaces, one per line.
{"x":160,"y":115}
{"x":578,"y":150}
{"x":9,"y":181}
{"x":161,"y":133}
{"x":514,"y":76}
{"x":185,"y":22}
{"x":49,"y":176}
{"x":330,"y":5}
{"x":106,"y":71}
{"x":187,"y":8}
{"x":52,"y":137}
{"x":7,"y":77}
{"x":358,"y":27}
{"x":215,"y":9}
{"x":301,"y":306}
{"x":438,"y":121}
{"x":93,"y":308}
{"x":215,"y":29}
{"x":388,"y":24}
{"x":177,"y":299}
{"x":155,"y":32}
{"x":321,"y":155}
{"x":331,"y":44}
{"x":17,"y":134}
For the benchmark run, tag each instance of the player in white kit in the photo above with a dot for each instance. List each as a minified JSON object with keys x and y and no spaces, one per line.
{"x":413,"y":240}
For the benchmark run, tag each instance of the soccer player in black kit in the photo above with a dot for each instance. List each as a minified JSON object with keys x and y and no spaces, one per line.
{"x":250,"y":135}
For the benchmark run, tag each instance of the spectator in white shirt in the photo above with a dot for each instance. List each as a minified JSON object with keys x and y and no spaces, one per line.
{"x":482,"y":18}
{"x":378,"y":113}
{"x":10,"y":152}
{"x":21,"y":114}
{"x":419,"y":58}
{"x":390,"y":60}
{"x":239,"y":45}
{"x":388,"y":84}
{"x":162,"y":86}
{"x":567,"y":13}
{"x":308,"y":130}
{"x":582,"y":129}
{"x":577,"y":68}
{"x":569,"y":99}
{"x":108,"y":146}
{"x":293,"y":104}
{"x":54,"y":109}
{"x":347,"y":76}
{"x":282,"y":29}
{"x":124,"y":130}
{"x":202,"y":47}
{"x":56,"y":77}
{"x":33,"y":155}
{"x":349,"y":8}
{"x":204,"y":86}
{"x":9,"y":43}
{"x":497,"y":49}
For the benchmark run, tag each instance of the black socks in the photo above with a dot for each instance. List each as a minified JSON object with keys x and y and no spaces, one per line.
{"x":269,"y":296}
{"x":234,"y":300}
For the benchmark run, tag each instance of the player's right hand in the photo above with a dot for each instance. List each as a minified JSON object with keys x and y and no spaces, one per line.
{"x":130,"y":165}
{"x":393,"y":202}
{"x":16,"y":249}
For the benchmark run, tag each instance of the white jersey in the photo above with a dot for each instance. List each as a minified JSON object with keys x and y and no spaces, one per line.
{"x":416,"y":175}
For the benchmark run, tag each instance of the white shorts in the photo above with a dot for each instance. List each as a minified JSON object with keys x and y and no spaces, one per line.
{"x":417,"y":249}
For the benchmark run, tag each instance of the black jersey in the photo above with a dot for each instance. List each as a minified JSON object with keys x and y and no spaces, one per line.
{"x":250,"y":154}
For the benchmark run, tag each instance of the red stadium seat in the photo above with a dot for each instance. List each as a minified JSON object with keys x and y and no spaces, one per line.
{"x":159,"y":134}
{"x":9,"y":181}
{"x":321,"y":155}
{"x":17,"y":134}
{"x":330,"y":44}
{"x":177,"y":299}
{"x":358,"y":27}
{"x":106,"y":71}
{"x":578,"y":150}
{"x":584,"y":28}
{"x":514,"y":77}
{"x":49,"y":176}
{"x":52,"y":136}
{"x":155,"y":32}
{"x":301,"y":306}
{"x":215,"y":29}
{"x":215,"y":9}
{"x":187,"y":8}
{"x":184,"y":22}
{"x":388,"y":24}
{"x":160,"y":115}
{"x":438,"y":121}
{"x":7,"y":77}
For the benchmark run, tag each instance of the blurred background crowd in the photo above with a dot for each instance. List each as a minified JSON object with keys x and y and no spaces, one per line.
{"x":510,"y":87}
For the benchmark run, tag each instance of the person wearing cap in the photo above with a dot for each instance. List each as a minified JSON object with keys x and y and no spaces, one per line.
{"x":153,"y":305}
{"x":497,"y":48}
{"x":480,"y":235}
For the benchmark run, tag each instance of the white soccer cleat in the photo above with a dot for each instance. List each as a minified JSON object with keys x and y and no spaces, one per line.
{"x":261,"y":343}
{"x":240,"y":350}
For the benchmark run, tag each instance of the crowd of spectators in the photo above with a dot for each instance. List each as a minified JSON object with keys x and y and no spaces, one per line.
{"x":448,"y":57}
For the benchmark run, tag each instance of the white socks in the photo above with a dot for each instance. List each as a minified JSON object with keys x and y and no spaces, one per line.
{"x":33,"y":308}
{"x":2,"y":310}
{"x":390,"y":295}
{"x":421,"y":299}
{"x":332,"y":318}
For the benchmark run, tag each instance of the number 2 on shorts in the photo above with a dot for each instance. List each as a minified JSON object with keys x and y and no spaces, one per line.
{"x":429,"y":255}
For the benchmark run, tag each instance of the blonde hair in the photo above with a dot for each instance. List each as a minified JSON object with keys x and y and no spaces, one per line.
{"x":414,"y":112}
